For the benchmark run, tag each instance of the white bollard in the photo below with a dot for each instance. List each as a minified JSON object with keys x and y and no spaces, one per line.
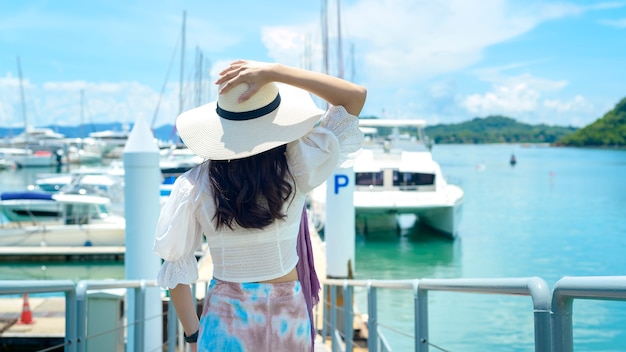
{"x":142,"y":179}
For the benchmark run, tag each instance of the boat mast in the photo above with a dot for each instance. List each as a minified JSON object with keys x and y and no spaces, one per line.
{"x":339,"y":42}
{"x":82,"y":113}
{"x":182,"y":67}
{"x":23,"y":100}
{"x":325,"y":35}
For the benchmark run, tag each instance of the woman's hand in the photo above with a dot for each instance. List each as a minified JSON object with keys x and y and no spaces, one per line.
{"x":193,"y":347}
{"x":334,"y":90}
{"x":255,"y":74}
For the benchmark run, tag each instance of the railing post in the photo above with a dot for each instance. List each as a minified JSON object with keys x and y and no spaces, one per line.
{"x":562,"y":333}
{"x":372,"y":318}
{"x":542,"y":303}
{"x":348,"y":329}
{"x":333,"y":318}
{"x":81,"y":316}
{"x":421,"y":318}
{"x":325,"y":313}
{"x":569,"y":288}
{"x":140,"y":315}
{"x":70,"y":321}
{"x":172,"y":326}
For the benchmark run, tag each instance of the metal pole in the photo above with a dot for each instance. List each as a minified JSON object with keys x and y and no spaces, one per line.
{"x":71,"y":321}
{"x":372,"y":318}
{"x":333,"y":318}
{"x":421,"y":318}
{"x":347,"y":316}
{"x":172,"y":327}
{"x":140,"y":316}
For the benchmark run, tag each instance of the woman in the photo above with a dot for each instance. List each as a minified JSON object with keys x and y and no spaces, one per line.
{"x":264,"y":154}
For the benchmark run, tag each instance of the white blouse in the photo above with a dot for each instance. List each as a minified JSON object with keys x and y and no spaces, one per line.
{"x":249,"y":255}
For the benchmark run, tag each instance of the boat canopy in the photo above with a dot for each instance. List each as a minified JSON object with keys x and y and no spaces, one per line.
{"x":417,"y":162}
{"x":26,"y":195}
{"x":365,"y":162}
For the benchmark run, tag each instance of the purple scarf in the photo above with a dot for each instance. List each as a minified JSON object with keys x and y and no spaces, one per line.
{"x":306,"y":270}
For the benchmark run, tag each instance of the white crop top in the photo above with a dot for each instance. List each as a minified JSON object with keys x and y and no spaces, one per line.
{"x":249,"y":255}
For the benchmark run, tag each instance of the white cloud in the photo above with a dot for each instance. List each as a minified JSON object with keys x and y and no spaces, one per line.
{"x":284,"y":44}
{"x":407,"y":40}
{"x":619,"y":23}
{"x":60,"y":103}
{"x":510,"y":100}
{"x":530,"y":99}
{"x":573,"y":105}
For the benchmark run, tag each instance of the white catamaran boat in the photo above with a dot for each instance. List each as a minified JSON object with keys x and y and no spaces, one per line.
{"x":395,"y":178}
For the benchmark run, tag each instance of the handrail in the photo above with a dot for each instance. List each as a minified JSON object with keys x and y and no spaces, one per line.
{"x":10,"y":287}
{"x":81,"y":295}
{"x":552,"y":310}
{"x":584,"y":287}
{"x":534,"y":287}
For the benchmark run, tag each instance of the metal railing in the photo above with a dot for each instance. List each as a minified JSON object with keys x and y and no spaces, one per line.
{"x":76,"y":306}
{"x":569,"y":288}
{"x":552,"y":311}
{"x":53,"y":286}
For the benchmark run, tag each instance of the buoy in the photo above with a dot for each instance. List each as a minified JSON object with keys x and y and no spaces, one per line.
{"x":27,"y":316}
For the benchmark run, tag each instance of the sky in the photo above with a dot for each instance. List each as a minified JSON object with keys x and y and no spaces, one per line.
{"x":445,"y":61}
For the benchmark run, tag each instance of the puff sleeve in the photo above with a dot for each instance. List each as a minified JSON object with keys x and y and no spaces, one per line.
{"x":178,"y":235}
{"x":335,"y":142}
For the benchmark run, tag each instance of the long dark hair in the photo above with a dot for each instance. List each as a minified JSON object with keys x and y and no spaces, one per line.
{"x":250,"y":191}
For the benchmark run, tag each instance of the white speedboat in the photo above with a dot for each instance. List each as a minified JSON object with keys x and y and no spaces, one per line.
{"x":176,"y":160}
{"x":25,"y":157}
{"x":397,"y":182}
{"x":61,"y":220}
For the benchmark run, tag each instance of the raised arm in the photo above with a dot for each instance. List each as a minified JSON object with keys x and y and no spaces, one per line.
{"x":334,"y":90}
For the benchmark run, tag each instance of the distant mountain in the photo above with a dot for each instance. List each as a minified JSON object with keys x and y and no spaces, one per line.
{"x":608,"y":131}
{"x":164,"y":132}
{"x":495,"y":129}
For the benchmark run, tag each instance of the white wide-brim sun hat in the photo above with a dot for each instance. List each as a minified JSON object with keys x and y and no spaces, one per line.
{"x":227,"y":129}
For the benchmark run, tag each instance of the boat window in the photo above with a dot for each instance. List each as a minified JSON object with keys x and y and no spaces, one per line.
{"x":77,"y":214}
{"x":369,"y":178}
{"x":412,"y":179}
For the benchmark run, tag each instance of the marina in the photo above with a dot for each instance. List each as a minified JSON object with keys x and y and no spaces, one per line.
{"x":537,"y":219}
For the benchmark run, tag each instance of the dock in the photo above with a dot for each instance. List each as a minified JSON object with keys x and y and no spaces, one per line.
{"x":62,"y":254}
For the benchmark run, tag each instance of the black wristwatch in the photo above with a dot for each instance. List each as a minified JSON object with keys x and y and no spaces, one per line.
{"x":193,"y":338}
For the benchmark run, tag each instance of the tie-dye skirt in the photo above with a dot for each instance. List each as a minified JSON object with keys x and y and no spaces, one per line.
{"x":254,"y":317}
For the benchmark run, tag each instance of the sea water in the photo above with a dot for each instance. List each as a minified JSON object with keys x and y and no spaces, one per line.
{"x":557,"y":212}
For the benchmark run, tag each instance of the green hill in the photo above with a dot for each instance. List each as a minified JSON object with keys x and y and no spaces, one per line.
{"x":496,"y":129}
{"x":608,"y":131}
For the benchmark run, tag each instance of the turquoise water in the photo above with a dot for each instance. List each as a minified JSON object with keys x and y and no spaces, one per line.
{"x":558,"y":212}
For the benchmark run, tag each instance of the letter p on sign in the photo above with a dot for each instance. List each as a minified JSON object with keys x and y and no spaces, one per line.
{"x":340,"y":181}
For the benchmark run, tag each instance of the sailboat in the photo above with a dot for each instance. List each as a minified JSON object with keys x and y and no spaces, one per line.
{"x":34,"y":147}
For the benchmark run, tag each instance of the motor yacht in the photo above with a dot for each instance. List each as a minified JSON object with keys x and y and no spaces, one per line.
{"x":397,"y":182}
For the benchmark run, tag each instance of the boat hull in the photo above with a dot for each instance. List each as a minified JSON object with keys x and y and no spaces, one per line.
{"x":63,"y":235}
{"x":378,"y":211}
{"x":442,"y":219}
{"x":382,"y":211}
